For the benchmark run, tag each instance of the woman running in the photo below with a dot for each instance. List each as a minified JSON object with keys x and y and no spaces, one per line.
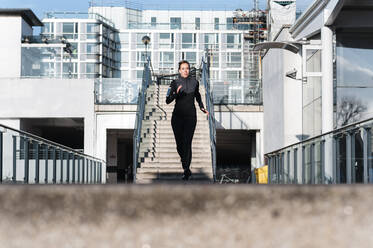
{"x":184,"y":118}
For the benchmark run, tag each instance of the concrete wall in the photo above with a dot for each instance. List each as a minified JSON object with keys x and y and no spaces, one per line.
{"x":10,"y":46}
{"x":49,"y":98}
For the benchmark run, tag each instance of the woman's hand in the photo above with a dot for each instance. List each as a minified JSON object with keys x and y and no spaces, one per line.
{"x":178,"y":89}
{"x":205,"y":111}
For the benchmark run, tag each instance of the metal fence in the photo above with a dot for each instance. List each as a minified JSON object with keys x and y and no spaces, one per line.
{"x":29,"y":159}
{"x":342,"y":156}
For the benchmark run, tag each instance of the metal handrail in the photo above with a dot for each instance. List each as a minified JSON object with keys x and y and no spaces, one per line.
{"x":146,"y":80}
{"x":211,"y":117}
{"x":30,"y":148}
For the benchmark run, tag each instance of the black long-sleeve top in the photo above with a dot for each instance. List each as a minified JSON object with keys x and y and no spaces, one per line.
{"x":185,"y":98}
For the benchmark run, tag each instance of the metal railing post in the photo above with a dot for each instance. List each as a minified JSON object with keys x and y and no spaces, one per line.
{"x":26,"y":157}
{"x":54,"y":179}
{"x":73,"y":169}
{"x":348,"y":158}
{"x":37,"y":162}
{"x":61,"y":164}
{"x":46,"y":157}
{"x":366,"y":151}
{"x":14,"y":178}
{"x":322,"y":161}
{"x":79,"y":158}
{"x":68,"y":167}
{"x":295,"y":165}
{"x":83,"y":169}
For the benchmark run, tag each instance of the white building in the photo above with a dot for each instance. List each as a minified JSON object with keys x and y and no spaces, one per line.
{"x":321,"y":82}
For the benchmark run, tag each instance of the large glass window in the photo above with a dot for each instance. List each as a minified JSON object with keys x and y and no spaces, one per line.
{"x":154,"y":22}
{"x":312,"y":107}
{"x":354,"y":77}
{"x":229,"y":23}
{"x":166,"y":40}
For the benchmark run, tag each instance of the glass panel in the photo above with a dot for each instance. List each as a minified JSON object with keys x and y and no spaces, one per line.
{"x":175,"y":22}
{"x":354,"y":81}
{"x":318,"y":167}
{"x":312,"y":107}
{"x":341,"y":160}
{"x":313,"y":60}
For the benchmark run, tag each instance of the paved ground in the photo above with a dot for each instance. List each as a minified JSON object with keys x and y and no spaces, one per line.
{"x":186,"y":216}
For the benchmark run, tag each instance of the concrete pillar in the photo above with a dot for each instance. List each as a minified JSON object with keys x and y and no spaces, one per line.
{"x":327,"y":95}
{"x":327,"y":79}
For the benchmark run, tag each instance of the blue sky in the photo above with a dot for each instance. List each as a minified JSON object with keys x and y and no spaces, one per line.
{"x":41,"y":6}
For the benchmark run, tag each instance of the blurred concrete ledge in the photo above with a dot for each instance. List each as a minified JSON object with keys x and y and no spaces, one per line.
{"x":186,"y":216}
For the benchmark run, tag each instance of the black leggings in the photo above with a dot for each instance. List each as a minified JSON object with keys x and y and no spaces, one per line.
{"x":183,"y":128}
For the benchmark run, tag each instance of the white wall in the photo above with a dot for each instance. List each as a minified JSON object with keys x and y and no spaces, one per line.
{"x":50,"y":98}
{"x":273,"y":102}
{"x":105,"y":121}
{"x":10,"y":46}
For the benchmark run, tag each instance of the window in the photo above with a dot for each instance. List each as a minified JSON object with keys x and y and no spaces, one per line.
{"x":188,"y":40}
{"x":166,"y":40}
{"x":166,"y":60}
{"x":216,"y":21}
{"x":198,"y":23}
{"x":153,"y":21}
{"x":191,"y":57}
{"x":229,"y":23}
{"x":68,"y":27}
{"x":48,"y":27}
{"x":234,"y":41}
{"x":234,"y":60}
{"x":175,"y":22}
{"x":92,"y":28}
{"x":211,"y":41}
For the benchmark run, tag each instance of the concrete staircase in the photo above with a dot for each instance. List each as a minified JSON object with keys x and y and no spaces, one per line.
{"x":158,"y":158}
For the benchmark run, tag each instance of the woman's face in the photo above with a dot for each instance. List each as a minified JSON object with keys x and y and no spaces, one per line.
{"x":184,"y":70}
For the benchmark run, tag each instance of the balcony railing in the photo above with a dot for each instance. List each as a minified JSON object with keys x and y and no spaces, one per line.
{"x":341,"y":156}
{"x":240,"y":92}
{"x":187,"y":26}
{"x":116,"y":91}
{"x":29,"y":159}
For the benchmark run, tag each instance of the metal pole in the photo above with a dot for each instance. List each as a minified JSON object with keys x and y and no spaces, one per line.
{"x":295,"y":151}
{"x":37,"y":162}
{"x":83,"y":170}
{"x":73,"y":169}
{"x":365,"y":154}
{"x":79,"y":158}
{"x":61,"y":162}
{"x":322,"y":161}
{"x":94,"y":172}
{"x":313,"y":166}
{"x":14,"y":178}
{"x":46,"y":163}
{"x":54,"y":179}
{"x":26,"y":172}
{"x":348,"y":157}
{"x":303,"y":165}
{"x":68,"y":168}
{"x":353,"y":158}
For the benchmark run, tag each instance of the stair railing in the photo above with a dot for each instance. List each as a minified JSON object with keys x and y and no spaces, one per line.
{"x":211,"y":117}
{"x":146,"y":80}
